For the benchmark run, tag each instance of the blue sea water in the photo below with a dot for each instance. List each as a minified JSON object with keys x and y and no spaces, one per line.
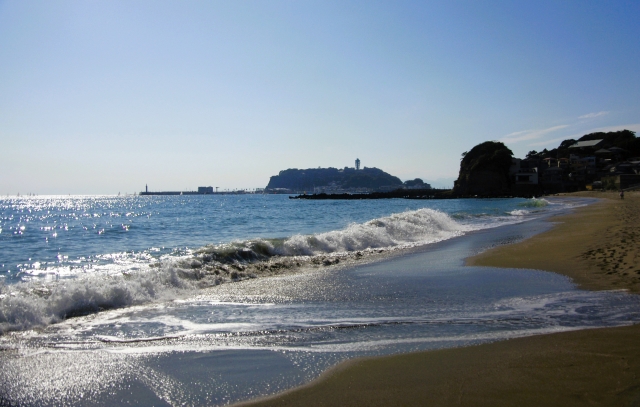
{"x":64,"y":236}
{"x":208,"y":300}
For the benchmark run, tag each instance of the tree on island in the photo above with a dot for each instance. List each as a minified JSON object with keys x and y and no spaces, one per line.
{"x":308,"y":179}
{"x":484,"y":170}
{"x":414,"y":183}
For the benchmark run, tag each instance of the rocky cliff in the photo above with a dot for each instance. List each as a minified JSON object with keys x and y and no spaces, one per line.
{"x":484,"y":171}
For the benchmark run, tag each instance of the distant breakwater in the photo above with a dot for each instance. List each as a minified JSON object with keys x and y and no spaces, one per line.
{"x":408,"y":194}
{"x":400,"y":193}
{"x":197,"y":193}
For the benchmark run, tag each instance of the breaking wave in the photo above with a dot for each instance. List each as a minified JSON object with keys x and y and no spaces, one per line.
{"x":534,"y":203}
{"x":422,"y":226}
{"x":518,"y":212}
{"x":31,"y":304}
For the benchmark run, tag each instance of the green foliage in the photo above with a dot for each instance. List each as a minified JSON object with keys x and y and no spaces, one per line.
{"x":625,"y":139}
{"x":609,"y":184}
{"x":488,"y":155}
{"x":308,"y":179}
{"x":484,"y":170}
{"x":414,"y":182}
{"x":612,"y":137}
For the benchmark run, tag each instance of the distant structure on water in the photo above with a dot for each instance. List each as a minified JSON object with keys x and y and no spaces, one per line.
{"x":357,"y":164}
{"x":203,"y":191}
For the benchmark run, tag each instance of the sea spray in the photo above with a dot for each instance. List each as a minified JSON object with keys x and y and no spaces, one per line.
{"x":30,"y":304}
{"x":422,"y":226}
{"x":27,"y":305}
{"x":534,"y":203}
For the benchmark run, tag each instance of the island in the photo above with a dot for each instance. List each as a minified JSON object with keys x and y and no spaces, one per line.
{"x":348,"y":180}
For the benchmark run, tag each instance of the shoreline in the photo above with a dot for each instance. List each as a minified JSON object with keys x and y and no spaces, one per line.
{"x":595,"y":246}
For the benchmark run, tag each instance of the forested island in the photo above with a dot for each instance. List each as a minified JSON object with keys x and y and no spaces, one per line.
{"x":336,"y":181}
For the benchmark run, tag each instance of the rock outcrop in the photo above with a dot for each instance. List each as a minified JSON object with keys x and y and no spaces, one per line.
{"x":484,"y":171}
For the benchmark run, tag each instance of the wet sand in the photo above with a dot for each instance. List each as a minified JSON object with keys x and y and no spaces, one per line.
{"x":597,"y":246}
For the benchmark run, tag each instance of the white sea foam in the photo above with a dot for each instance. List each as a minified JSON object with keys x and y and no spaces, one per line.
{"x":133,"y":278}
{"x":39,"y":303}
{"x":519,"y":212}
{"x":30,"y":304}
{"x":534,"y":203}
{"x":421,"y":226}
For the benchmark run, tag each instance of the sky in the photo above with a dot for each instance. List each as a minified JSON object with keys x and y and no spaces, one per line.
{"x":105,"y":97}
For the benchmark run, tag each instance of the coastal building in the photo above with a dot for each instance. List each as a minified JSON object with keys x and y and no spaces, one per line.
{"x":357,"y":164}
{"x":550,"y":162}
{"x":205,"y":190}
{"x":552,"y":179}
{"x":590,"y":161}
{"x":527,"y":176}
{"x":524,"y":176}
{"x":563,"y":163}
{"x":587,"y":144}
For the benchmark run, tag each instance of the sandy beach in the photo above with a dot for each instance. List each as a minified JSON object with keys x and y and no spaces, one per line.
{"x":597,"y":247}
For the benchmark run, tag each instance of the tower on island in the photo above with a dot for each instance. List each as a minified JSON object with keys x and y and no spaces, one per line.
{"x":357,"y":164}
{"x":146,"y":188}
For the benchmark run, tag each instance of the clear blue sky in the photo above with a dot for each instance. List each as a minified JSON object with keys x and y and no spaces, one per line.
{"x":107,"y":96}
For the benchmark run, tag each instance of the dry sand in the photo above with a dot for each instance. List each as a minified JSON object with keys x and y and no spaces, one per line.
{"x":597,"y":247}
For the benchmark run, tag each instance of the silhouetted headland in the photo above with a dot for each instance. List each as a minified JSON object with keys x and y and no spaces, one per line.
{"x":596,"y":161}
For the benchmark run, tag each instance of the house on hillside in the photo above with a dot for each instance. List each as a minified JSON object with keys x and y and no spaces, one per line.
{"x":591,"y":144}
{"x":550,"y":162}
{"x":563,"y":163}
{"x":526,"y":176}
{"x":552,"y":178}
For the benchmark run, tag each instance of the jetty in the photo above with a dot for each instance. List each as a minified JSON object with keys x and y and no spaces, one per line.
{"x":399,"y":193}
{"x":202,"y":191}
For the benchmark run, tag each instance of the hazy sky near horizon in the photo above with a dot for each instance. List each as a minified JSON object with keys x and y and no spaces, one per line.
{"x":107,"y":96}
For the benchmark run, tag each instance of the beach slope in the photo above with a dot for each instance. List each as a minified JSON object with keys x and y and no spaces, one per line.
{"x":590,"y":367}
{"x":597,"y":246}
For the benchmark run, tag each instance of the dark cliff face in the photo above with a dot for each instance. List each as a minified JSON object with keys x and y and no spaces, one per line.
{"x":484,"y":171}
{"x":300,"y":180}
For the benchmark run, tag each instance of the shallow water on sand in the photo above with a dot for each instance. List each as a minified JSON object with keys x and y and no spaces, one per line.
{"x":238,"y":341}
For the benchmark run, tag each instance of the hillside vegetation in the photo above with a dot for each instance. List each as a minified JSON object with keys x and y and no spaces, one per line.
{"x":485,"y":170}
{"x":348,"y":178}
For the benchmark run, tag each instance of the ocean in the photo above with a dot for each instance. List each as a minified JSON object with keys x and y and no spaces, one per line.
{"x":210,"y":300}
